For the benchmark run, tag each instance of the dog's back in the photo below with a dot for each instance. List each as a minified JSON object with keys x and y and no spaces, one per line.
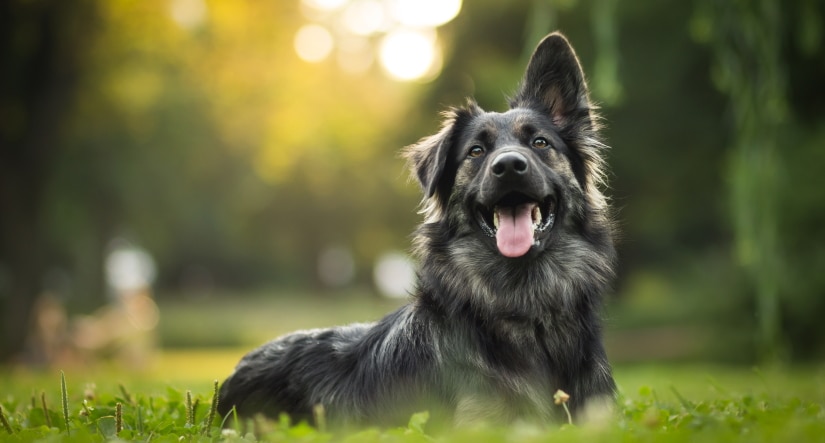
{"x":359,"y":373}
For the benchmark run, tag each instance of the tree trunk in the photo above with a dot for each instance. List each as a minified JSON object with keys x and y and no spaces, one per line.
{"x":38,"y":52}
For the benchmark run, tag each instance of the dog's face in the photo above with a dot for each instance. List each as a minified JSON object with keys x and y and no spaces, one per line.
{"x":525,"y":181}
{"x":509,"y":169}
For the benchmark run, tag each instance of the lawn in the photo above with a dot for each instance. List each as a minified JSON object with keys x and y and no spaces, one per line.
{"x":658,"y":403}
{"x":169,"y":397}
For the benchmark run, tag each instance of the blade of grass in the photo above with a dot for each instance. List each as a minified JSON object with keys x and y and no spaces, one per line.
{"x":686,"y":404}
{"x":86,"y":411}
{"x":139,"y":419}
{"x":5,"y":421}
{"x":125,"y":393}
{"x":190,"y":417}
{"x":195,"y":404}
{"x":45,"y":409}
{"x":64,"y":397}
{"x":234,"y":414}
{"x":213,"y":409}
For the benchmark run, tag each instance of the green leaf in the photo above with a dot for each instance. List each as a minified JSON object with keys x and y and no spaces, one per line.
{"x":107,"y":426}
{"x":418,"y":420}
{"x":645,"y":391}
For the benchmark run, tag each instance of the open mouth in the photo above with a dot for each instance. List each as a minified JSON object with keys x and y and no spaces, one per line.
{"x":515,"y":220}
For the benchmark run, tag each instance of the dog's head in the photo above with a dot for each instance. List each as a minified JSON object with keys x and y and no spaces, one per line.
{"x":513,"y":180}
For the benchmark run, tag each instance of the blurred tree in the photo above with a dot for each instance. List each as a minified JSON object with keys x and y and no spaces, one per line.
{"x":210,"y":144}
{"x":753,"y":51}
{"x":41,"y":50}
{"x":746,"y":41}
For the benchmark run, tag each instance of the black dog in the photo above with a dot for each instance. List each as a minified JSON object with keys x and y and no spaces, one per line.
{"x":515,"y":252}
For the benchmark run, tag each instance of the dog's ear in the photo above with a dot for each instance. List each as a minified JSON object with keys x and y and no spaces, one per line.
{"x":429,"y":158}
{"x":554,"y":82}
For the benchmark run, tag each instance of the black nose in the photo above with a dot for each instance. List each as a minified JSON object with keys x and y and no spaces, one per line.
{"x":509,"y":164}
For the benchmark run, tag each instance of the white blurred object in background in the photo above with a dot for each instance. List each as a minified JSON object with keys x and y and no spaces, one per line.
{"x":394,"y":275}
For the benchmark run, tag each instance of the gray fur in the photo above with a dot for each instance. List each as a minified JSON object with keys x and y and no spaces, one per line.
{"x":485,"y":337}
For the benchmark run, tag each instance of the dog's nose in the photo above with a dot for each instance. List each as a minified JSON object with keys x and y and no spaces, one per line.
{"x":509,"y":164}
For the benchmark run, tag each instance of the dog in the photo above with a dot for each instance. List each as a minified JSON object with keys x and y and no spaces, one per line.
{"x":514,"y":254}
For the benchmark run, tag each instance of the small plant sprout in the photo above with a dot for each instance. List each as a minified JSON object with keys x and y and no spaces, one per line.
{"x":118,"y":418}
{"x":195,"y":403}
{"x":212,"y":410}
{"x":86,"y":412}
{"x":190,"y":416}
{"x":561,"y":398}
{"x":5,"y":421}
{"x":89,"y":391}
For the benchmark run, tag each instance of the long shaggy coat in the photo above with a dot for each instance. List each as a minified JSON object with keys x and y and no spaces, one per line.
{"x":514,"y":254}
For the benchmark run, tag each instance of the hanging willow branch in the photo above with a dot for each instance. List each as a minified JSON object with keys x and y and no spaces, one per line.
{"x":745,"y":37}
{"x":605,"y":84}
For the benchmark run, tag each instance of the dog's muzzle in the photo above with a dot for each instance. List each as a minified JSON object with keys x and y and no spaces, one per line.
{"x":521,"y":208}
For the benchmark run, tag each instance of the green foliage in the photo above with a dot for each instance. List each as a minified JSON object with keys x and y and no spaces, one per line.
{"x":644,"y":415}
{"x":753,"y":66}
{"x":235,"y":164}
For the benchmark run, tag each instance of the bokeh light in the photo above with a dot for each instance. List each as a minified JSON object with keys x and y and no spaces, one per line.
{"x":365,"y":17}
{"x":424,"y":13}
{"x":394,"y":275}
{"x":355,"y":55}
{"x":325,"y":5}
{"x":336,"y":266}
{"x":313,"y":43}
{"x":188,"y":14}
{"x":401,"y":34}
{"x":409,"y":54}
{"x":128,"y":267}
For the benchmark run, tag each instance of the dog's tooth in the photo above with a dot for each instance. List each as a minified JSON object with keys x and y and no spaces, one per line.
{"x":495,"y":219}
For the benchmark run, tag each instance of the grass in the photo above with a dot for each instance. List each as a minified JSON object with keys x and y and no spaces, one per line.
{"x":190,"y":321}
{"x":658,"y":403}
{"x":170,"y":397}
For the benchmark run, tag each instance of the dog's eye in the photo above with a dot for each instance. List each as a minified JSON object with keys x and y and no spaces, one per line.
{"x":475,"y":151}
{"x":540,"y":143}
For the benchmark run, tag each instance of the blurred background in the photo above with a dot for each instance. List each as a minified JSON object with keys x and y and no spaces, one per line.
{"x":179,"y":174}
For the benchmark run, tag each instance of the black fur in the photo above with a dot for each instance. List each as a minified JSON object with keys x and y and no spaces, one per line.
{"x":485,"y":337}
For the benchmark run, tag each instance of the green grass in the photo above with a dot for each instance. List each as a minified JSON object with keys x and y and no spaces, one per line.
{"x":169,"y":396}
{"x":172,"y":399}
{"x":248,"y":319}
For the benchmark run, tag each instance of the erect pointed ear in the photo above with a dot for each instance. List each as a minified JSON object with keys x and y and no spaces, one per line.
{"x":554,"y":82}
{"x":429,"y":157}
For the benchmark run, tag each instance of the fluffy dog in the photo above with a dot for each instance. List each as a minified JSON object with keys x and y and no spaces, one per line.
{"x":514,"y":254}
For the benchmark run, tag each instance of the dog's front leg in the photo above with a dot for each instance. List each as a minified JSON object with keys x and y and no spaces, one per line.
{"x":475,"y":409}
{"x":594,"y":394}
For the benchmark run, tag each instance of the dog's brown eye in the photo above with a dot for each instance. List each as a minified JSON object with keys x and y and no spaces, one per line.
{"x":540,"y":143}
{"x":475,"y":151}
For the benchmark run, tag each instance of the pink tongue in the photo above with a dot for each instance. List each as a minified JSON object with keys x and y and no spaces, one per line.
{"x":515,"y":230}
